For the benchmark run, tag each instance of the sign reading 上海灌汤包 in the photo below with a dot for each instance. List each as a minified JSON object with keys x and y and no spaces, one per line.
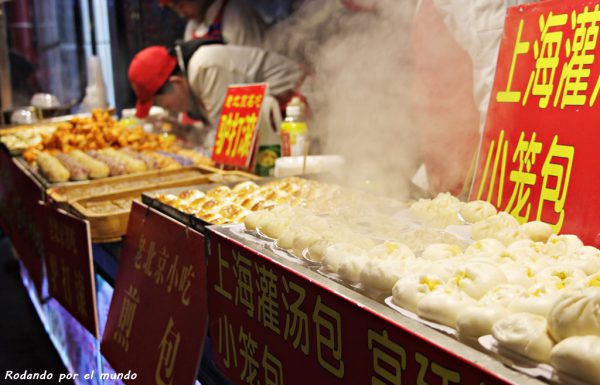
{"x":539,"y":144}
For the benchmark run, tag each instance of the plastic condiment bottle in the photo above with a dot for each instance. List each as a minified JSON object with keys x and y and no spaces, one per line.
{"x":294,"y":131}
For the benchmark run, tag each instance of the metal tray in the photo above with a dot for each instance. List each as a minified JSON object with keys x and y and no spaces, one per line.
{"x":112,"y":225}
{"x":149,"y":180}
{"x":149,"y":198}
{"x":47,"y":185}
{"x":19,"y":129}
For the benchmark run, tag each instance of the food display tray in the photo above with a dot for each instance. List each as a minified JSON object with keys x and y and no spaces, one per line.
{"x":153,"y":179}
{"x":111,"y":226}
{"x":48,"y":185}
{"x":151,"y":199}
{"x":21,"y":129}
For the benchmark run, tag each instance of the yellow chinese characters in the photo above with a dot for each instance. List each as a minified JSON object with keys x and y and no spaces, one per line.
{"x":268,"y":301}
{"x":561,"y":174}
{"x":235,"y":135}
{"x":244,"y":101}
{"x":389,"y":359}
{"x":296,"y":320}
{"x":126,"y":317}
{"x":248,"y":348}
{"x":576,"y":72}
{"x":164,"y":269}
{"x":499,"y":150}
{"x":523,"y":179}
{"x":521,"y":47}
{"x":272,"y":367}
{"x":223,"y":265}
{"x":169,"y":345}
{"x":328,"y":325}
{"x":244,"y":293}
{"x":226,"y":341}
{"x":251,"y":360}
{"x":563,"y":66}
{"x":541,"y":80}
{"x":179,"y":278}
{"x":555,"y":176}
{"x":446,"y":375}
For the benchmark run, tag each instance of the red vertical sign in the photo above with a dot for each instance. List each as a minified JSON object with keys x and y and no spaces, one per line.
{"x":5,"y":188}
{"x":69,"y":265}
{"x":539,"y":145}
{"x":23,"y":217}
{"x":237,"y":130}
{"x":273,"y":325}
{"x":158,"y":315}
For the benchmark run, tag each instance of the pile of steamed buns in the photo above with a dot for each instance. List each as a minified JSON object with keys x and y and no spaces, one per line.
{"x":536,"y":292}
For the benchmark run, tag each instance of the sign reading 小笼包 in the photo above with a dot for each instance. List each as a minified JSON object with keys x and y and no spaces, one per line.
{"x":539,"y":145}
{"x":158,"y":314}
{"x":237,"y":129}
{"x":69,"y":264}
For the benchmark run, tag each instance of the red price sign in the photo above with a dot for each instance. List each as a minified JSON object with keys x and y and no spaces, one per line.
{"x":237,"y":129}
{"x":273,"y":325}
{"x":539,"y":141}
{"x":158,"y":314}
{"x":69,"y":264}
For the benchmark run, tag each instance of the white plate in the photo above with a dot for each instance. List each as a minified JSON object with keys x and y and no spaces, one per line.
{"x":409,"y":314}
{"x":333,"y":276}
{"x":263,"y":236}
{"x":248,"y":235}
{"x":526,"y":365}
{"x":306,"y":258}
{"x":285,"y":254}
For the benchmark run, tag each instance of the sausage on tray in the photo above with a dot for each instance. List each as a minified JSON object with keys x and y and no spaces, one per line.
{"x":77,"y":171}
{"x":115,"y":167}
{"x":51,"y":168}
{"x":95,"y":168}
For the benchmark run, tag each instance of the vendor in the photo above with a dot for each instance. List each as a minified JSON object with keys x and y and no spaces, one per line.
{"x":450,"y":103}
{"x":196,"y":80}
{"x":232,"y":21}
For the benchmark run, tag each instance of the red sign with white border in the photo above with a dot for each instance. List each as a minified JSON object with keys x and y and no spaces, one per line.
{"x":271,"y":324}
{"x":238,"y":125}
{"x":539,"y":142}
{"x":158,"y":314}
{"x":70,"y":265}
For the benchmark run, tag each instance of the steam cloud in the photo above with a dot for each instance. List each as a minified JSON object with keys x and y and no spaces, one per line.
{"x":361,"y":97}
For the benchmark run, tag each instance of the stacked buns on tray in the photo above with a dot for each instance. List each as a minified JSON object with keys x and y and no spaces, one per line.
{"x":222,"y":204}
{"x":461,"y":266}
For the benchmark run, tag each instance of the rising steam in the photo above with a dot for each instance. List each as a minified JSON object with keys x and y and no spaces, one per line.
{"x":361,"y":99}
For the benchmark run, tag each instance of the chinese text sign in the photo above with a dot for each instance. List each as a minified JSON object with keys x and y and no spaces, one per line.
{"x":158,"y":314}
{"x":237,"y":128}
{"x":539,"y":146}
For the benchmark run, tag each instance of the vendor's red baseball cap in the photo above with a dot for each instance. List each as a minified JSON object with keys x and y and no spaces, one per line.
{"x":164,"y":2}
{"x":148,"y":72}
